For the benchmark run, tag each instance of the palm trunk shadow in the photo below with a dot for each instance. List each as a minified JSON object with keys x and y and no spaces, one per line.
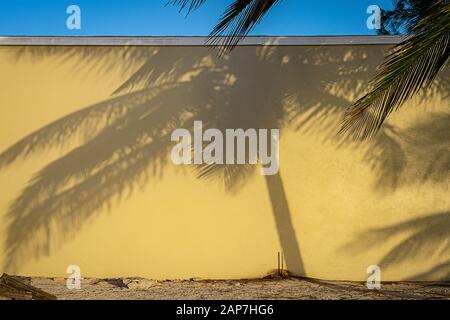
{"x":285,"y":228}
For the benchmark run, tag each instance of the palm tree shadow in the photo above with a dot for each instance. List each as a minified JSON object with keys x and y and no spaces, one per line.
{"x":414,"y":155}
{"x":126,"y":138}
{"x":428,"y":236}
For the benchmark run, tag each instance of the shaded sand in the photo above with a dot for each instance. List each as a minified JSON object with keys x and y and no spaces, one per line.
{"x":290,"y":288}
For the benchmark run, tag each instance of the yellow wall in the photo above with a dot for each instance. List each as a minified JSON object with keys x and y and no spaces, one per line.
{"x":86,"y":176}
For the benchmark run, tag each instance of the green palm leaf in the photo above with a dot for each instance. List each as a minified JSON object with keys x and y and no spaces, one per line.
{"x":191,"y":5}
{"x":411,"y":65}
{"x":238,"y":20}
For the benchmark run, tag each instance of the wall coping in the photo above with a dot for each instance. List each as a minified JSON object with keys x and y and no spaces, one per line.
{"x":199,"y":41}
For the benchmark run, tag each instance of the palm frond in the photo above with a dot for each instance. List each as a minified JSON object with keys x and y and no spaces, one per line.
{"x":191,"y":5}
{"x":238,"y":20}
{"x":410,"y":66}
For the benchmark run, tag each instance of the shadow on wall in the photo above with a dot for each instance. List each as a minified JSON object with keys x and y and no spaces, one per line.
{"x":415,"y":154}
{"x":427,"y":236}
{"x":127,"y":137}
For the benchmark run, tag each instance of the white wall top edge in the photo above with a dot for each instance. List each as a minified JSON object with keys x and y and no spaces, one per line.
{"x":197,"y":41}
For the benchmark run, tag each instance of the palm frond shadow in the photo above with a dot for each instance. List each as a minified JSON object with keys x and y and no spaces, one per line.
{"x":426,"y":236}
{"x":126,"y":138}
{"x":413,"y":155}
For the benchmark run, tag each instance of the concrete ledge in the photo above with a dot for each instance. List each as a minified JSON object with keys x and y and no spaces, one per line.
{"x":196,"y":41}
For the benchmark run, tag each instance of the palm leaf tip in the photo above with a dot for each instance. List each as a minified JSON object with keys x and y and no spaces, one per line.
{"x":191,"y":5}
{"x":237,"y":21}
{"x":412,"y":65}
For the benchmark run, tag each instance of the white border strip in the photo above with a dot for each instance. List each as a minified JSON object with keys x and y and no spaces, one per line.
{"x":196,"y":41}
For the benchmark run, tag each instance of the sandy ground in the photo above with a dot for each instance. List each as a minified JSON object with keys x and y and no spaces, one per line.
{"x":290,"y":288}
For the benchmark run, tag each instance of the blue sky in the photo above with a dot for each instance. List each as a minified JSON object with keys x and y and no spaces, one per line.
{"x":154,"y":18}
